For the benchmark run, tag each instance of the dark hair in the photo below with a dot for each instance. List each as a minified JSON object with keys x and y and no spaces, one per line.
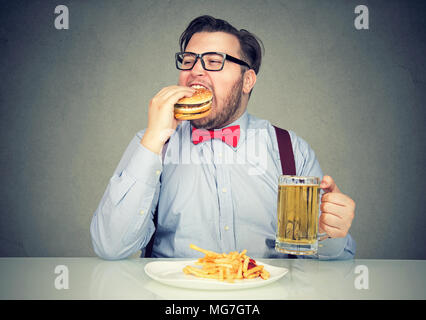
{"x":251,"y":46}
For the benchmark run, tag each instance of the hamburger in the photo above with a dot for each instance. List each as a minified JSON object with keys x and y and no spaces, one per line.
{"x":197,"y":106}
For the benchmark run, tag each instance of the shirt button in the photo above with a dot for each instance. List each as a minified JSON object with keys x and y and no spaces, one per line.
{"x":157,"y":172}
{"x":223,"y":190}
{"x":141,"y":212}
{"x":220,"y":154}
{"x":226,"y":228}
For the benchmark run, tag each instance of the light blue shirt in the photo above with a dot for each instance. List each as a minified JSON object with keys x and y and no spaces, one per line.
{"x":211,"y":194}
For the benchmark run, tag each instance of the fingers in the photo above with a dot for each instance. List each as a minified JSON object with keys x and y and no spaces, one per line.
{"x":333,"y":225}
{"x":174,"y":93}
{"x":165,"y":90}
{"x":338,"y":199}
{"x":337,"y":214}
{"x":337,"y":209}
{"x":328,"y":184}
{"x":168,"y":96}
{"x":161,"y":120}
{"x":173,"y":97}
{"x":332,"y":208}
{"x":335,"y":219}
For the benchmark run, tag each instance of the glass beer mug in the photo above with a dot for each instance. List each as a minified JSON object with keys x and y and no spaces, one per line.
{"x":298,"y":211}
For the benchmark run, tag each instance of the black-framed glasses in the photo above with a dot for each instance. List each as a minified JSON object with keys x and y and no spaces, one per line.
{"x":211,"y":61}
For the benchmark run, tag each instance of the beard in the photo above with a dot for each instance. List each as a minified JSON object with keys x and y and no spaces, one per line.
{"x":220,"y":118}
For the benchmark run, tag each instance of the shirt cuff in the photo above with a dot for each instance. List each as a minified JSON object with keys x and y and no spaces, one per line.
{"x":332,"y":248}
{"x":145,"y":165}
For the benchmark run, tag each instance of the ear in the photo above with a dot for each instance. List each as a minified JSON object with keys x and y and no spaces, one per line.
{"x":249,"y":81}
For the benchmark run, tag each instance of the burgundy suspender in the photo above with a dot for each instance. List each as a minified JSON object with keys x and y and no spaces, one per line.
{"x":286,"y":151}
{"x":287,"y":158}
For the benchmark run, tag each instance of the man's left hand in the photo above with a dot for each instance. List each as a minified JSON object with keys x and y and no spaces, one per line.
{"x":337,"y":210}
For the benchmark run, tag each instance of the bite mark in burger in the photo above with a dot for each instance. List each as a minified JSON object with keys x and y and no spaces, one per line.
{"x":195,"y":107}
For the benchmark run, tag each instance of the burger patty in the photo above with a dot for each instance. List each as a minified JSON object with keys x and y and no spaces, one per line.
{"x":186,"y":106}
{"x":192,"y":112}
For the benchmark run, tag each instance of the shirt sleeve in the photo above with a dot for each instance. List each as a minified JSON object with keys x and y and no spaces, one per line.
{"x":123,"y":222}
{"x":308,"y":165}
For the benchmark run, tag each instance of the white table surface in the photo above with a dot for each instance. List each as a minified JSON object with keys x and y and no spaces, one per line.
{"x":93,"y":278}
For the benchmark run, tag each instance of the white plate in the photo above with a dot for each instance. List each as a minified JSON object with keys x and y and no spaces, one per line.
{"x":170,"y":273}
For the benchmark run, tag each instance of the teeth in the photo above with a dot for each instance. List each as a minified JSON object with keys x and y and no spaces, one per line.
{"x":197,"y":86}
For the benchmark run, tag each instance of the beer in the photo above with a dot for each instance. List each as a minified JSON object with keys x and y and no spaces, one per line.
{"x":298,"y":209}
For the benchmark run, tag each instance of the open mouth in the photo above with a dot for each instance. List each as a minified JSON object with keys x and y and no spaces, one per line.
{"x":199,"y":86}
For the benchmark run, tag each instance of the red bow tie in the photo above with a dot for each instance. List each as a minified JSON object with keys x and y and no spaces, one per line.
{"x":229,"y":135}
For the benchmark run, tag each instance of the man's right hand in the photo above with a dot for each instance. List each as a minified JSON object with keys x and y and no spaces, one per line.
{"x":161,"y":120}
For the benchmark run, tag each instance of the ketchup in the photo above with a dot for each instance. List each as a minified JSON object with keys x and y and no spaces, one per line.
{"x":252,"y":264}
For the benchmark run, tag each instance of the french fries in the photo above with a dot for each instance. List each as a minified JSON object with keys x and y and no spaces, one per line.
{"x":226,"y":267}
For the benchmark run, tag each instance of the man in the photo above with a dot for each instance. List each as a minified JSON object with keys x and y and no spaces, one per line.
{"x":173,"y":191}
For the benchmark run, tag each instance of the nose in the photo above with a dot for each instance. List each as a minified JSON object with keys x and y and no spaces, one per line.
{"x":198,"y":68}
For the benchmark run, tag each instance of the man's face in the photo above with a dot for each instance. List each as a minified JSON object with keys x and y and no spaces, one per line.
{"x":226,"y":84}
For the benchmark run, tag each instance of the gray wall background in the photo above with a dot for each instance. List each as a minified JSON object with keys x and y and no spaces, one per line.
{"x":71,"y":100}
